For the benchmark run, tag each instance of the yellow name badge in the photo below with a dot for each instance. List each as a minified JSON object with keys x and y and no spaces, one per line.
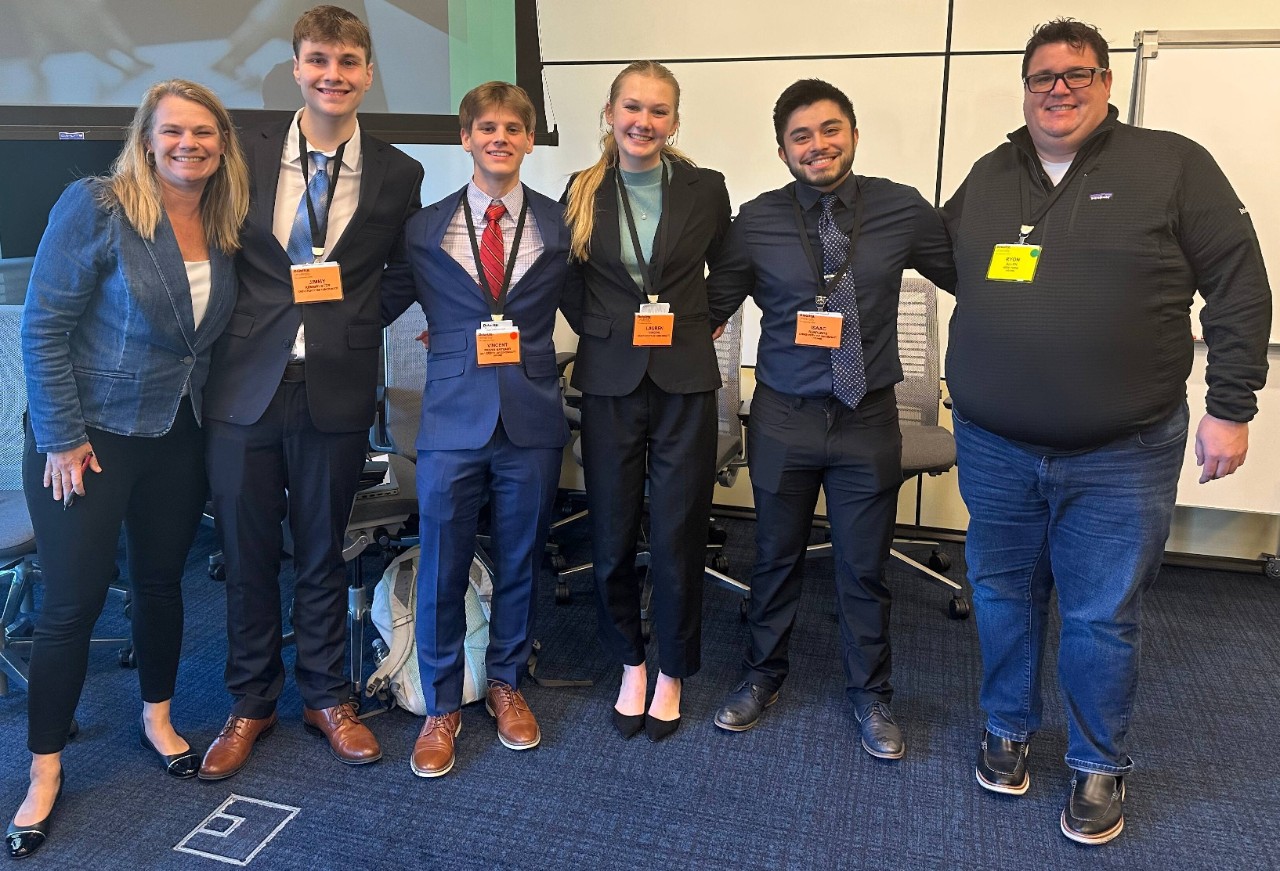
{"x":497,"y":343}
{"x":653,"y":330}
{"x":316,"y":282}
{"x":819,"y":329}
{"x":1014,"y":263}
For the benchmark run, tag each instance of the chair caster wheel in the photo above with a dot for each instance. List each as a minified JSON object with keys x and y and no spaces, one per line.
{"x":558,"y":562}
{"x":1272,"y":568}
{"x":720,"y":562}
{"x":128,"y":657}
{"x":959,"y":608}
{"x":939,"y":561}
{"x":562,"y":593}
{"x":218,"y":571}
{"x":717,"y":535}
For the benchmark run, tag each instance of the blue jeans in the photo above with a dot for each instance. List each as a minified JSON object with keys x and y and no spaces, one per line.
{"x":1094,"y":525}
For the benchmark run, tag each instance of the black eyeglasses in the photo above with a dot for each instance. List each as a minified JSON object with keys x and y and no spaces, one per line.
{"x":1080,"y":77}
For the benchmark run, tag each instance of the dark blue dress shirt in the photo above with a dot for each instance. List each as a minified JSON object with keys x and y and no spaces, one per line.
{"x":767,"y":261}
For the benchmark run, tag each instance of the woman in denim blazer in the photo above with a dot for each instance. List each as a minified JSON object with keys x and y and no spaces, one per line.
{"x":132,"y":283}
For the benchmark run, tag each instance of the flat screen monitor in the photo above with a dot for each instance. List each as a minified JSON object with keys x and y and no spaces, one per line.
{"x":79,"y":67}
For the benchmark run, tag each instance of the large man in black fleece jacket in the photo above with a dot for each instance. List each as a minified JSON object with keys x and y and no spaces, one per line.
{"x":1079,"y":245}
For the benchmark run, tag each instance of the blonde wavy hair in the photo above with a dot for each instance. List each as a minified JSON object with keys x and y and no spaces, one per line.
{"x":132,"y":184}
{"x":580,"y":213}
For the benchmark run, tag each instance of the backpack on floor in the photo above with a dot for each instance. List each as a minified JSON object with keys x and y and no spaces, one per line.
{"x":395,"y":602}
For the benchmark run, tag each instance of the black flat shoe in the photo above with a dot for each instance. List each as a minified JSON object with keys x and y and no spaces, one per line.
{"x":628,"y":725}
{"x":23,"y":841}
{"x":182,"y":765}
{"x":657,"y":730}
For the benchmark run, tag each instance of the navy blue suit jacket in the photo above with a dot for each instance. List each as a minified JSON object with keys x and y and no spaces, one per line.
{"x":343,"y":338}
{"x":462,"y":400}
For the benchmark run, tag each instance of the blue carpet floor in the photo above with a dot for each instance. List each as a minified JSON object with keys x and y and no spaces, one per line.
{"x":795,"y":793}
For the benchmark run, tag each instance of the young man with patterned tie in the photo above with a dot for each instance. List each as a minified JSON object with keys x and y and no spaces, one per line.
{"x":823,"y":259}
{"x":290,"y":397}
{"x":489,"y":264}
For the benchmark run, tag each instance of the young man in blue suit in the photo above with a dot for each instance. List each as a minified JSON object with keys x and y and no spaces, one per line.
{"x":489,"y":265}
{"x":290,"y":397}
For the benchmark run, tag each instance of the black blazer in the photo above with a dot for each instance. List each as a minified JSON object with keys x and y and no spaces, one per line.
{"x":697,"y":218}
{"x":342,"y":337}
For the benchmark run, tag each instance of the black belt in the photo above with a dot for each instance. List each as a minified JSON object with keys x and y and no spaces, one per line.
{"x":828,"y":402}
{"x":294,"y":371}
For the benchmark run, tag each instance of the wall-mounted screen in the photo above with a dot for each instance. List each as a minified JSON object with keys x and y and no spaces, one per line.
{"x":79,"y":67}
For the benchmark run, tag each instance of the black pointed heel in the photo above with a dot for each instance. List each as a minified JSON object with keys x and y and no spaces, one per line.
{"x":182,"y":765}
{"x":657,"y":730}
{"x":628,"y":725}
{"x":24,"y":841}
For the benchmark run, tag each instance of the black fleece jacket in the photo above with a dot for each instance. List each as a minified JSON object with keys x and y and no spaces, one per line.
{"x":1100,"y":344}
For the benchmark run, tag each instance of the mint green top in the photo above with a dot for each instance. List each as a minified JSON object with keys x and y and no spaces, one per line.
{"x":644,"y":190}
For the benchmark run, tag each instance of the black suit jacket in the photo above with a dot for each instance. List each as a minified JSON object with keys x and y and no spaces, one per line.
{"x":342,"y":337}
{"x":697,"y":218}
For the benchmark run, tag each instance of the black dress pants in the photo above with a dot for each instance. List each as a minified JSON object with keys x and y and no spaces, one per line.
{"x":259,"y":473}
{"x":156,"y":488}
{"x":673,"y":437}
{"x":797,"y":445}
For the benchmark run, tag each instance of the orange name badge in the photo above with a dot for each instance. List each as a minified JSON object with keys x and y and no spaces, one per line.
{"x":819,"y":329}
{"x":497,"y":343}
{"x":653,"y":331}
{"x":316,"y":282}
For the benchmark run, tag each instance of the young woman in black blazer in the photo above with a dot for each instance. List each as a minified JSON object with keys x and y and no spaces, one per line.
{"x":645,"y":224}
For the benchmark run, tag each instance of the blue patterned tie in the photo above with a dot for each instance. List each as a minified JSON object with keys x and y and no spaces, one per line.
{"x":848,"y":371}
{"x":299,"y":248}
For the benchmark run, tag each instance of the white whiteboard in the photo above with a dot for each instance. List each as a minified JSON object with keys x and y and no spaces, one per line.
{"x":1220,"y":88}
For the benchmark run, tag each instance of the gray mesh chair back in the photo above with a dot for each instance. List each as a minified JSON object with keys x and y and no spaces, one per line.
{"x":926,"y":447}
{"x":404,"y":374}
{"x":13,"y":398}
{"x":729,"y":396}
{"x":919,"y":392}
{"x":17,"y":539}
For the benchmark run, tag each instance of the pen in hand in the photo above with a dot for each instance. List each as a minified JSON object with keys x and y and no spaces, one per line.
{"x":69,"y":492}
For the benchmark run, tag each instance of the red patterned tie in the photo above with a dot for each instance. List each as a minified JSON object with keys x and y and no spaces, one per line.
{"x":491,"y":249}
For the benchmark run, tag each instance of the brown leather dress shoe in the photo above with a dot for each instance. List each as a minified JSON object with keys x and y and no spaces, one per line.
{"x":230,"y":750}
{"x":517,"y":728}
{"x":350,"y":740}
{"x":433,"y":751}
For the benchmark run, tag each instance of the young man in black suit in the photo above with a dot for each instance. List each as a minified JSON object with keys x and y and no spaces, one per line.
{"x":291,"y":393}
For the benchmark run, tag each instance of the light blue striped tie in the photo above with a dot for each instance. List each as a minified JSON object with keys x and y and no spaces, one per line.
{"x":299,"y":248}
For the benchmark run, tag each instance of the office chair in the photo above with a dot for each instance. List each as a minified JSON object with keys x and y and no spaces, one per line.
{"x":19,"y":571}
{"x":927,"y":448}
{"x":380,"y":514}
{"x":17,"y":538}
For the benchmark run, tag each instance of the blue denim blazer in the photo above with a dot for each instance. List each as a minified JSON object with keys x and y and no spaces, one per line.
{"x":108,"y":335}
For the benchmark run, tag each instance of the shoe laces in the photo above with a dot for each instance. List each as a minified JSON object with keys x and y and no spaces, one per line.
{"x":344,"y":712}
{"x":879,"y":708}
{"x":508,"y":695}
{"x":436,"y":722}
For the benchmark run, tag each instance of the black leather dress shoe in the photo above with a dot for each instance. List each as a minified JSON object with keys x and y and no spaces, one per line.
{"x":1002,"y":765}
{"x":182,"y":765}
{"x":743,"y":706}
{"x":881,"y":736}
{"x":23,"y":841}
{"x":1095,"y":810}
